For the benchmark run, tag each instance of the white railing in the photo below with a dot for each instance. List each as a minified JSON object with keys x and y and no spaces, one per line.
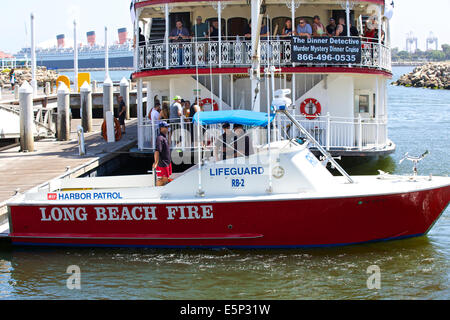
{"x":236,"y":52}
{"x":13,"y":63}
{"x":333,"y":133}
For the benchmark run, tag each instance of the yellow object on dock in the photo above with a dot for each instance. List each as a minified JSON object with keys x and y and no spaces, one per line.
{"x":82,"y":78}
{"x":63,"y":79}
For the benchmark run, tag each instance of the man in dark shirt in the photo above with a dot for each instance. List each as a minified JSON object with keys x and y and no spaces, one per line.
{"x":163,"y":160}
{"x":341,"y":30}
{"x":331,"y":28}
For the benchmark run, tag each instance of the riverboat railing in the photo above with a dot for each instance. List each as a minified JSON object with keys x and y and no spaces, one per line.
{"x":333,"y":133}
{"x":236,"y":52}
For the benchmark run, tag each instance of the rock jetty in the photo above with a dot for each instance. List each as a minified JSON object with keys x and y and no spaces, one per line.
{"x":24,"y":74}
{"x":431,"y":75}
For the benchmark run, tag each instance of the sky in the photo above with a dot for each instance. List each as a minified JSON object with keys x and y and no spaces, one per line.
{"x":56,"y":17}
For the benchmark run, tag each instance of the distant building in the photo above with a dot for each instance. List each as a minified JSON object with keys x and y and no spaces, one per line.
{"x":4,"y":55}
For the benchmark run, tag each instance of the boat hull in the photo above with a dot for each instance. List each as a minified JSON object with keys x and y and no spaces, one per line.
{"x":238,"y":224}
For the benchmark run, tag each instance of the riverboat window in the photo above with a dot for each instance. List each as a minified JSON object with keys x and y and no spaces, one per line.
{"x":236,"y":26}
{"x":278,"y":25}
{"x":184,"y":17}
{"x":374,"y":105}
{"x":336,"y":14}
{"x":209,"y":22}
{"x":364,"y":103}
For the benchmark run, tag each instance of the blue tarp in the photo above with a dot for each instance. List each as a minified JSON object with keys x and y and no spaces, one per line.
{"x":244,"y":117}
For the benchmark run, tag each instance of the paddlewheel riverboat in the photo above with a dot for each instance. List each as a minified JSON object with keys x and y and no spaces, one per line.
{"x":338,"y":83}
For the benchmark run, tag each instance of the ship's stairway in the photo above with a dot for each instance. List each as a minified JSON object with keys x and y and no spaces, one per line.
{"x":158,"y":29}
{"x":242,"y":97}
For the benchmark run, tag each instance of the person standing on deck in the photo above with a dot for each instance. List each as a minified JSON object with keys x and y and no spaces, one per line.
{"x":201,"y":30}
{"x":243,"y":144}
{"x":224,"y":146}
{"x":12,"y":79}
{"x":176,"y":110}
{"x":163,"y":160}
{"x":122,"y":114}
{"x":304,"y":29}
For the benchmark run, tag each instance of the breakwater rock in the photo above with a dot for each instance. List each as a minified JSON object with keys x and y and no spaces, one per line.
{"x":431,"y":75}
{"x":24,"y":74}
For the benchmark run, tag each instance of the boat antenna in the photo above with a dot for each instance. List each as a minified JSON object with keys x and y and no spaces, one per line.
{"x":200,"y":192}
{"x":210,"y":67}
{"x":269,"y":109}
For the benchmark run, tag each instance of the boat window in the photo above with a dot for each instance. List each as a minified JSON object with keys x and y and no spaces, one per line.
{"x":364,"y":104}
{"x":209,"y":22}
{"x":236,"y":26}
{"x":374,"y":105}
{"x":184,"y":17}
{"x":278,"y":25}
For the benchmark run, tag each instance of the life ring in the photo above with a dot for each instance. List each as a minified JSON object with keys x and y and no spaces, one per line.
{"x":117,"y":130}
{"x":311,"y":108}
{"x":210,"y":102}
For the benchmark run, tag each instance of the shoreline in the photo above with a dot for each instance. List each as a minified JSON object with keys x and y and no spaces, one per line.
{"x":431,"y":75}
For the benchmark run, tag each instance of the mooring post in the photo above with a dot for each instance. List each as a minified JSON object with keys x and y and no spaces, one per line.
{"x":63,"y":122}
{"x":110,"y":136}
{"x":108,"y":90}
{"x":26,"y":118}
{"x":16,"y":92}
{"x":86,"y":107}
{"x":47,"y":88}
{"x":94,"y":86}
{"x":125,"y":93}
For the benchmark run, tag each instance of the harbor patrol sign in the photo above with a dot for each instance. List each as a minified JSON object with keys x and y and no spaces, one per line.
{"x":326,"y":50}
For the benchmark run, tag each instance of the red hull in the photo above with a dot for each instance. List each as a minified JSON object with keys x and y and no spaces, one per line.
{"x":263,"y":224}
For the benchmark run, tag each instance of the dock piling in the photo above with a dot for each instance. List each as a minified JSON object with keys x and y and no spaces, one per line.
{"x":26,"y":117}
{"x":86,"y":107}
{"x":94,"y":86}
{"x":108,"y":90}
{"x":47,"y":89}
{"x":63,"y":122}
{"x":125,"y":93}
{"x":110,"y":127}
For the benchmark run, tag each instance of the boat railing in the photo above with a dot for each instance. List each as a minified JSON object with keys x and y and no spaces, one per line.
{"x":236,"y":52}
{"x":333,"y":133}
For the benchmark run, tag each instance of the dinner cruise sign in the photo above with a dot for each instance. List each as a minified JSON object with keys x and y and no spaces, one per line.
{"x":326,"y":50}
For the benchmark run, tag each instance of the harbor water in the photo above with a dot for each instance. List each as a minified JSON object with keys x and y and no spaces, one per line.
{"x":409,"y":269}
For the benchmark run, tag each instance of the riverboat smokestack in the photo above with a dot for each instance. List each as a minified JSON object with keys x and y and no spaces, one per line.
{"x":91,"y":38}
{"x":123,"y":35}
{"x":61,"y":40}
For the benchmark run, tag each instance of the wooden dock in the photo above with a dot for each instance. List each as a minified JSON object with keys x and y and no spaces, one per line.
{"x":54,"y":159}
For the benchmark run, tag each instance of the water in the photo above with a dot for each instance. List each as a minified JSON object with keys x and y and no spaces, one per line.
{"x":410,"y":269}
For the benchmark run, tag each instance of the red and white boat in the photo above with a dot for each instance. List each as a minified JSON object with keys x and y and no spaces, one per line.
{"x":280,"y":197}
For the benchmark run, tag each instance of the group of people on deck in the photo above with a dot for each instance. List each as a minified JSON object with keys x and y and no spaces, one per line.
{"x":173,"y":114}
{"x":233,"y":143}
{"x":202,"y":31}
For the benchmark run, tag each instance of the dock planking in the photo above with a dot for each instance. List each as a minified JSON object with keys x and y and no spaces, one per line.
{"x":53,"y":159}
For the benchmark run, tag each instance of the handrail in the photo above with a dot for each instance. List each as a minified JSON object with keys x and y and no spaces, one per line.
{"x":326,"y":154}
{"x":236,"y":51}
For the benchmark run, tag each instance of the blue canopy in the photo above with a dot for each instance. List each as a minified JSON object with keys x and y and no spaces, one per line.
{"x":243,"y":117}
